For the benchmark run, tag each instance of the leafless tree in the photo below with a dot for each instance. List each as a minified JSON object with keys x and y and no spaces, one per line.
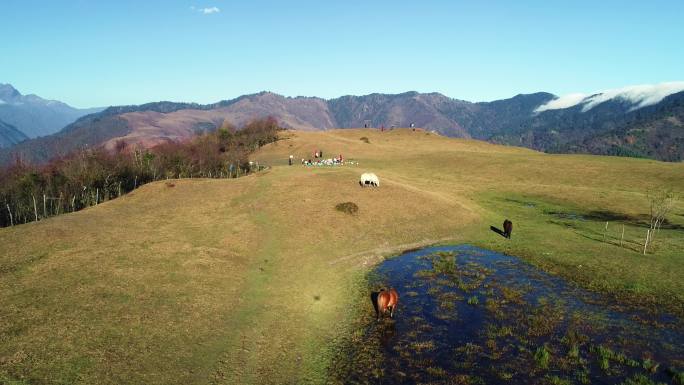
{"x":661,"y":201}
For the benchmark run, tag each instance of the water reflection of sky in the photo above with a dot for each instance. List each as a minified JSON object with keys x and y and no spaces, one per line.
{"x":436,"y":334}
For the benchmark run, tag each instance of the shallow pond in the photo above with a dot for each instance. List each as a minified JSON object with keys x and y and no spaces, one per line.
{"x":472,"y":316}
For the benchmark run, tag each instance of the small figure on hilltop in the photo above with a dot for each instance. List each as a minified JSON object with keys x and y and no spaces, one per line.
{"x":387,"y":300}
{"x":290,"y":160}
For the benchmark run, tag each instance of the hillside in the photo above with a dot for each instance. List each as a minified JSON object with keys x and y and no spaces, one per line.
{"x":618,"y":123}
{"x":154,"y":123}
{"x":35,"y":116}
{"x":9,"y":135}
{"x":252,"y":280}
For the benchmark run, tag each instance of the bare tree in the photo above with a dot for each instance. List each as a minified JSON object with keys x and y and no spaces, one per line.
{"x":661,"y":201}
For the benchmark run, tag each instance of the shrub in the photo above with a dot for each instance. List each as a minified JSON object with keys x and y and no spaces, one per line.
{"x":350,"y":208}
{"x":365,"y":139}
{"x":90,"y":176}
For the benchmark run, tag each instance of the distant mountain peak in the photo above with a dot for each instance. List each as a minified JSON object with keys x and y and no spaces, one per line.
{"x":35,"y":116}
{"x":8,"y":93}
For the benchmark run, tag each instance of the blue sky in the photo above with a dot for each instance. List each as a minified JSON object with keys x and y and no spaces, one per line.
{"x":98,"y":53}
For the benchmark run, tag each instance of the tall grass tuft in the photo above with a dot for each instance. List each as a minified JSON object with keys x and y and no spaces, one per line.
{"x":542,"y":356}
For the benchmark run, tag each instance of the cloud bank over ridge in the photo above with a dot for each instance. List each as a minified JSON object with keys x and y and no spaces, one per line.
{"x":639,"y":96}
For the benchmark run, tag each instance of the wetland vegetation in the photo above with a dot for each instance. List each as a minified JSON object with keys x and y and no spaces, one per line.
{"x":473,"y":316}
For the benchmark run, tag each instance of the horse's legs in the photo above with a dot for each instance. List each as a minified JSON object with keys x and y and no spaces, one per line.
{"x":391,"y":311}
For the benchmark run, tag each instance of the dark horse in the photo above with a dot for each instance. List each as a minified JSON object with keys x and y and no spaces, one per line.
{"x":385,"y":300}
{"x":508,"y":229}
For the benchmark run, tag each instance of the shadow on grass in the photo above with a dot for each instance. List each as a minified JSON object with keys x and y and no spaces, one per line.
{"x":601,"y":236}
{"x":521,"y":202}
{"x":639,"y":221}
{"x":565,"y":224}
{"x":611,"y":216}
{"x":626,"y":244}
{"x":498,"y":231}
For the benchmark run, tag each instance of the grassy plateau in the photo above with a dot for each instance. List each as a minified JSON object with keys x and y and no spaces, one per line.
{"x":256,"y":280}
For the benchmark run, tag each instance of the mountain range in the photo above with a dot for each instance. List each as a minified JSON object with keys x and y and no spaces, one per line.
{"x":641,"y":121}
{"x":32,"y":115}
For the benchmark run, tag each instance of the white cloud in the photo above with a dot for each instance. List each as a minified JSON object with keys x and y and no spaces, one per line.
{"x":2,"y":102}
{"x":565,"y":101}
{"x":639,"y":96}
{"x":206,"y":11}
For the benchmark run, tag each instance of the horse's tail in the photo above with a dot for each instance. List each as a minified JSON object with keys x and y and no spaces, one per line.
{"x":394,"y":297}
{"x":383,"y":300}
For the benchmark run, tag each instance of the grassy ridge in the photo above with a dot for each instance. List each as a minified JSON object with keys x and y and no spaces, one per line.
{"x":245,"y":280}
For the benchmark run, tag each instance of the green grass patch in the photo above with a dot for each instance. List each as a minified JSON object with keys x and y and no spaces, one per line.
{"x":557,"y":235}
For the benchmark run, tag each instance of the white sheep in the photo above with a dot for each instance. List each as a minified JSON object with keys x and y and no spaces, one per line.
{"x":369,"y":179}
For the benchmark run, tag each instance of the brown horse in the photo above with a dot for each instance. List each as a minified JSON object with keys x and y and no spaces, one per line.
{"x":387,"y":300}
{"x":508,"y":228}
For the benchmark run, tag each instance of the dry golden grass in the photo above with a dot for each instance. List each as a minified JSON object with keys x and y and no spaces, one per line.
{"x":251,"y":280}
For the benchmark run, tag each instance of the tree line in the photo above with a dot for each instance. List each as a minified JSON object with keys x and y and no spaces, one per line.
{"x":88,"y":177}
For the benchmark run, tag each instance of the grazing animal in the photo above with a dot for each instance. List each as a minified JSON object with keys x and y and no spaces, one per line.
{"x":369,"y":179}
{"x":387,"y":300}
{"x":508,"y":228}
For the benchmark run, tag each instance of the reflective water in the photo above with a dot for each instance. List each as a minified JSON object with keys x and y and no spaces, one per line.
{"x":472,"y":316}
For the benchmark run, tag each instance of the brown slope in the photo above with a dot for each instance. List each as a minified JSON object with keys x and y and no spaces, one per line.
{"x":423,"y":110}
{"x":149,"y":128}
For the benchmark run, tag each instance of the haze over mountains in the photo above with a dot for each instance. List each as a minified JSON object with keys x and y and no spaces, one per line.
{"x":645,"y":121}
{"x":9,"y":135}
{"x":32,"y":115}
